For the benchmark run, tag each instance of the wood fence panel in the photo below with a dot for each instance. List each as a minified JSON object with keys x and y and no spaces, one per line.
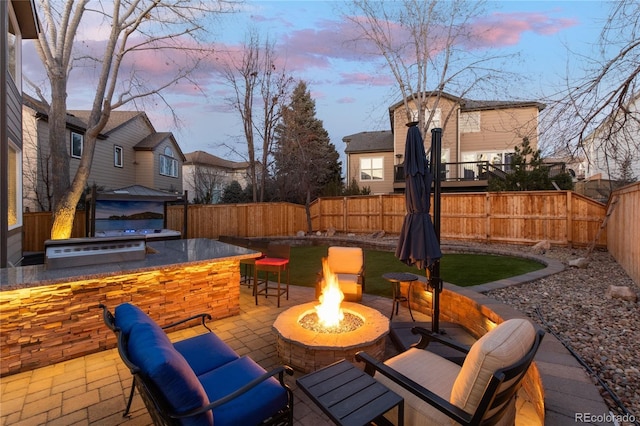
{"x":623,"y":230}
{"x":463,"y":216}
{"x":524,"y":217}
{"x":36,"y":229}
{"x":363,"y":214}
{"x":587,"y":216}
{"x":394,"y":210}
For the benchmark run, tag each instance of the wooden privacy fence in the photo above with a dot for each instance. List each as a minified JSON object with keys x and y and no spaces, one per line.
{"x":239,"y":220}
{"x":623,"y":229}
{"x":561,"y":217}
{"x":36,"y":229}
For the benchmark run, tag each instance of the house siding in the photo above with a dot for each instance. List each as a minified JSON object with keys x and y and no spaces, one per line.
{"x":449,"y":127}
{"x":383,"y":186}
{"x":502,"y":129}
{"x":103,"y":169}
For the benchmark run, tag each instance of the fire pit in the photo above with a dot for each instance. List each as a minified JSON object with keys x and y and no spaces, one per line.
{"x":312,"y":335}
{"x":307,"y":350}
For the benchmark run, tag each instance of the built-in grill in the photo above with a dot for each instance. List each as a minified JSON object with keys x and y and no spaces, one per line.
{"x":75,"y":252}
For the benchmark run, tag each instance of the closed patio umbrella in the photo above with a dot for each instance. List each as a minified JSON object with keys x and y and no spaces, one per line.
{"x":418,"y":243}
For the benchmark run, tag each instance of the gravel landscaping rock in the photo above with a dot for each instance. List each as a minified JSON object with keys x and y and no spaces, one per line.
{"x":604,"y":332}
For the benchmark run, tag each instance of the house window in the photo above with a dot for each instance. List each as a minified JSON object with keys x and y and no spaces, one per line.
{"x":371,"y":168}
{"x":14,"y":187}
{"x":117,"y":156}
{"x":14,"y":42}
{"x":470,"y":122}
{"x":168,"y":163}
{"x":77,"y":142}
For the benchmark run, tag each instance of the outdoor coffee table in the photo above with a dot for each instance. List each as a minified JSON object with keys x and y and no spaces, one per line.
{"x":395,"y":278}
{"x":349,"y":396}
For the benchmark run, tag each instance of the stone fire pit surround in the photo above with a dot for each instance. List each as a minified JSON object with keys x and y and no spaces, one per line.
{"x":307,"y":350}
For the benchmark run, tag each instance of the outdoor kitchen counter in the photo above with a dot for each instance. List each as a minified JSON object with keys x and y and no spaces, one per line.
{"x":52,"y":315}
{"x":163,"y":254}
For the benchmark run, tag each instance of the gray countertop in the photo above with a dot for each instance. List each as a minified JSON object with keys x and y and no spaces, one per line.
{"x":166,"y":253}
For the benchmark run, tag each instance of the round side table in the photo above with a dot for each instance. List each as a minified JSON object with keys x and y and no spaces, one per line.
{"x":395,"y":278}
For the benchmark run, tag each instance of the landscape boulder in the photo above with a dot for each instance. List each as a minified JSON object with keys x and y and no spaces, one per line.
{"x":621,"y":292}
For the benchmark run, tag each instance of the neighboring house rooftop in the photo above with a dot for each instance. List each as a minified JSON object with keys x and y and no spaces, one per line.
{"x":42,"y":111}
{"x":205,"y":159}
{"x":380,"y":141}
{"x":116,"y":118}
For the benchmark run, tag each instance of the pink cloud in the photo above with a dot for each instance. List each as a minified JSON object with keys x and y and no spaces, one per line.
{"x":506,"y":29}
{"x":347,"y":100}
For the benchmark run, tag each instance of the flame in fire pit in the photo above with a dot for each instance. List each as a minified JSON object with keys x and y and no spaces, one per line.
{"x":329,"y":312}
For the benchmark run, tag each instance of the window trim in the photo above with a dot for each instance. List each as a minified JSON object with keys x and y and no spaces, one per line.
{"x":71,"y":150}
{"x":116,"y":149}
{"x":360,"y":169}
{"x":167,"y":158}
{"x":17,"y":155}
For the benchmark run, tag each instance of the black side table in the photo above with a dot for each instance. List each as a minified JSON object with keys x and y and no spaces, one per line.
{"x":395,"y":278}
{"x":349,"y":396}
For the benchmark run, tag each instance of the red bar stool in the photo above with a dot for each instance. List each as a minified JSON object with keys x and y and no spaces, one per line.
{"x":276,"y":261}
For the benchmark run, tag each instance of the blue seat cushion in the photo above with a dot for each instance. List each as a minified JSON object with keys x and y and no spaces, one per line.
{"x":252,"y":407}
{"x":149,"y":348}
{"x":205,"y":352}
{"x":128,"y":315}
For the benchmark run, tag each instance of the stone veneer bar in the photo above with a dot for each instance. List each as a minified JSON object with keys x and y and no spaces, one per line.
{"x":48,"y":316}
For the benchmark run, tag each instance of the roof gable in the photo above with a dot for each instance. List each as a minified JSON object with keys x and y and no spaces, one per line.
{"x":151,"y":142}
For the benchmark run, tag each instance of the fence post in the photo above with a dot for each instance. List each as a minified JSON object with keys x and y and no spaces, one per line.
{"x":344,"y":214}
{"x":487,"y":214}
{"x":569,"y":210}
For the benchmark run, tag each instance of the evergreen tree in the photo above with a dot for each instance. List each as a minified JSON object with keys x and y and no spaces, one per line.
{"x":306,"y":162}
{"x":233,"y":194}
{"x":529,"y":173}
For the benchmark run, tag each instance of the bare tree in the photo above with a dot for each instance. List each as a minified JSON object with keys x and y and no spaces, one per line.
{"x":274,"y":90}
{"x":602,"y":106}
{"x":254,"y":71}
{"x":428,"y":46}
{"x":207,"y":183}
{"x":136,"y":26}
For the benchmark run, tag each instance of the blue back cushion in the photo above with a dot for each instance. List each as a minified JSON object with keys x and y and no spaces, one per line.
{"x":128,"y":315}
{"x":151,"y":350}
{"x":205,"y":352}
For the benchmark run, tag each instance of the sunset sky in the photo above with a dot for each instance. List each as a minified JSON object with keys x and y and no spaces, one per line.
{"x":351,"y":90}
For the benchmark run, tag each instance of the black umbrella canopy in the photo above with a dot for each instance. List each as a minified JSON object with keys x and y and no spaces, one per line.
{"x":418,"y":244}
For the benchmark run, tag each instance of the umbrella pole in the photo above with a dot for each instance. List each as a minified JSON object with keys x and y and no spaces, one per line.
{"x":434,"y":280}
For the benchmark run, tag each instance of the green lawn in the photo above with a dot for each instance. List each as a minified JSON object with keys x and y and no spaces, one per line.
{"x":459,"y":269}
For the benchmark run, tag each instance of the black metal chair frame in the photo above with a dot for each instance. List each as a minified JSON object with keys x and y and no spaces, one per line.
{"x":491,"y":398}
{"x":154,"y":401}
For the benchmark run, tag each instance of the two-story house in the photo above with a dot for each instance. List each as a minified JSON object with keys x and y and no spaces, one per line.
{"x":18,"y":21}
{"x":478,"y":139}
{"x":205,"y":176}
{"x":128,"y":152}
{"x":611,"y":150}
